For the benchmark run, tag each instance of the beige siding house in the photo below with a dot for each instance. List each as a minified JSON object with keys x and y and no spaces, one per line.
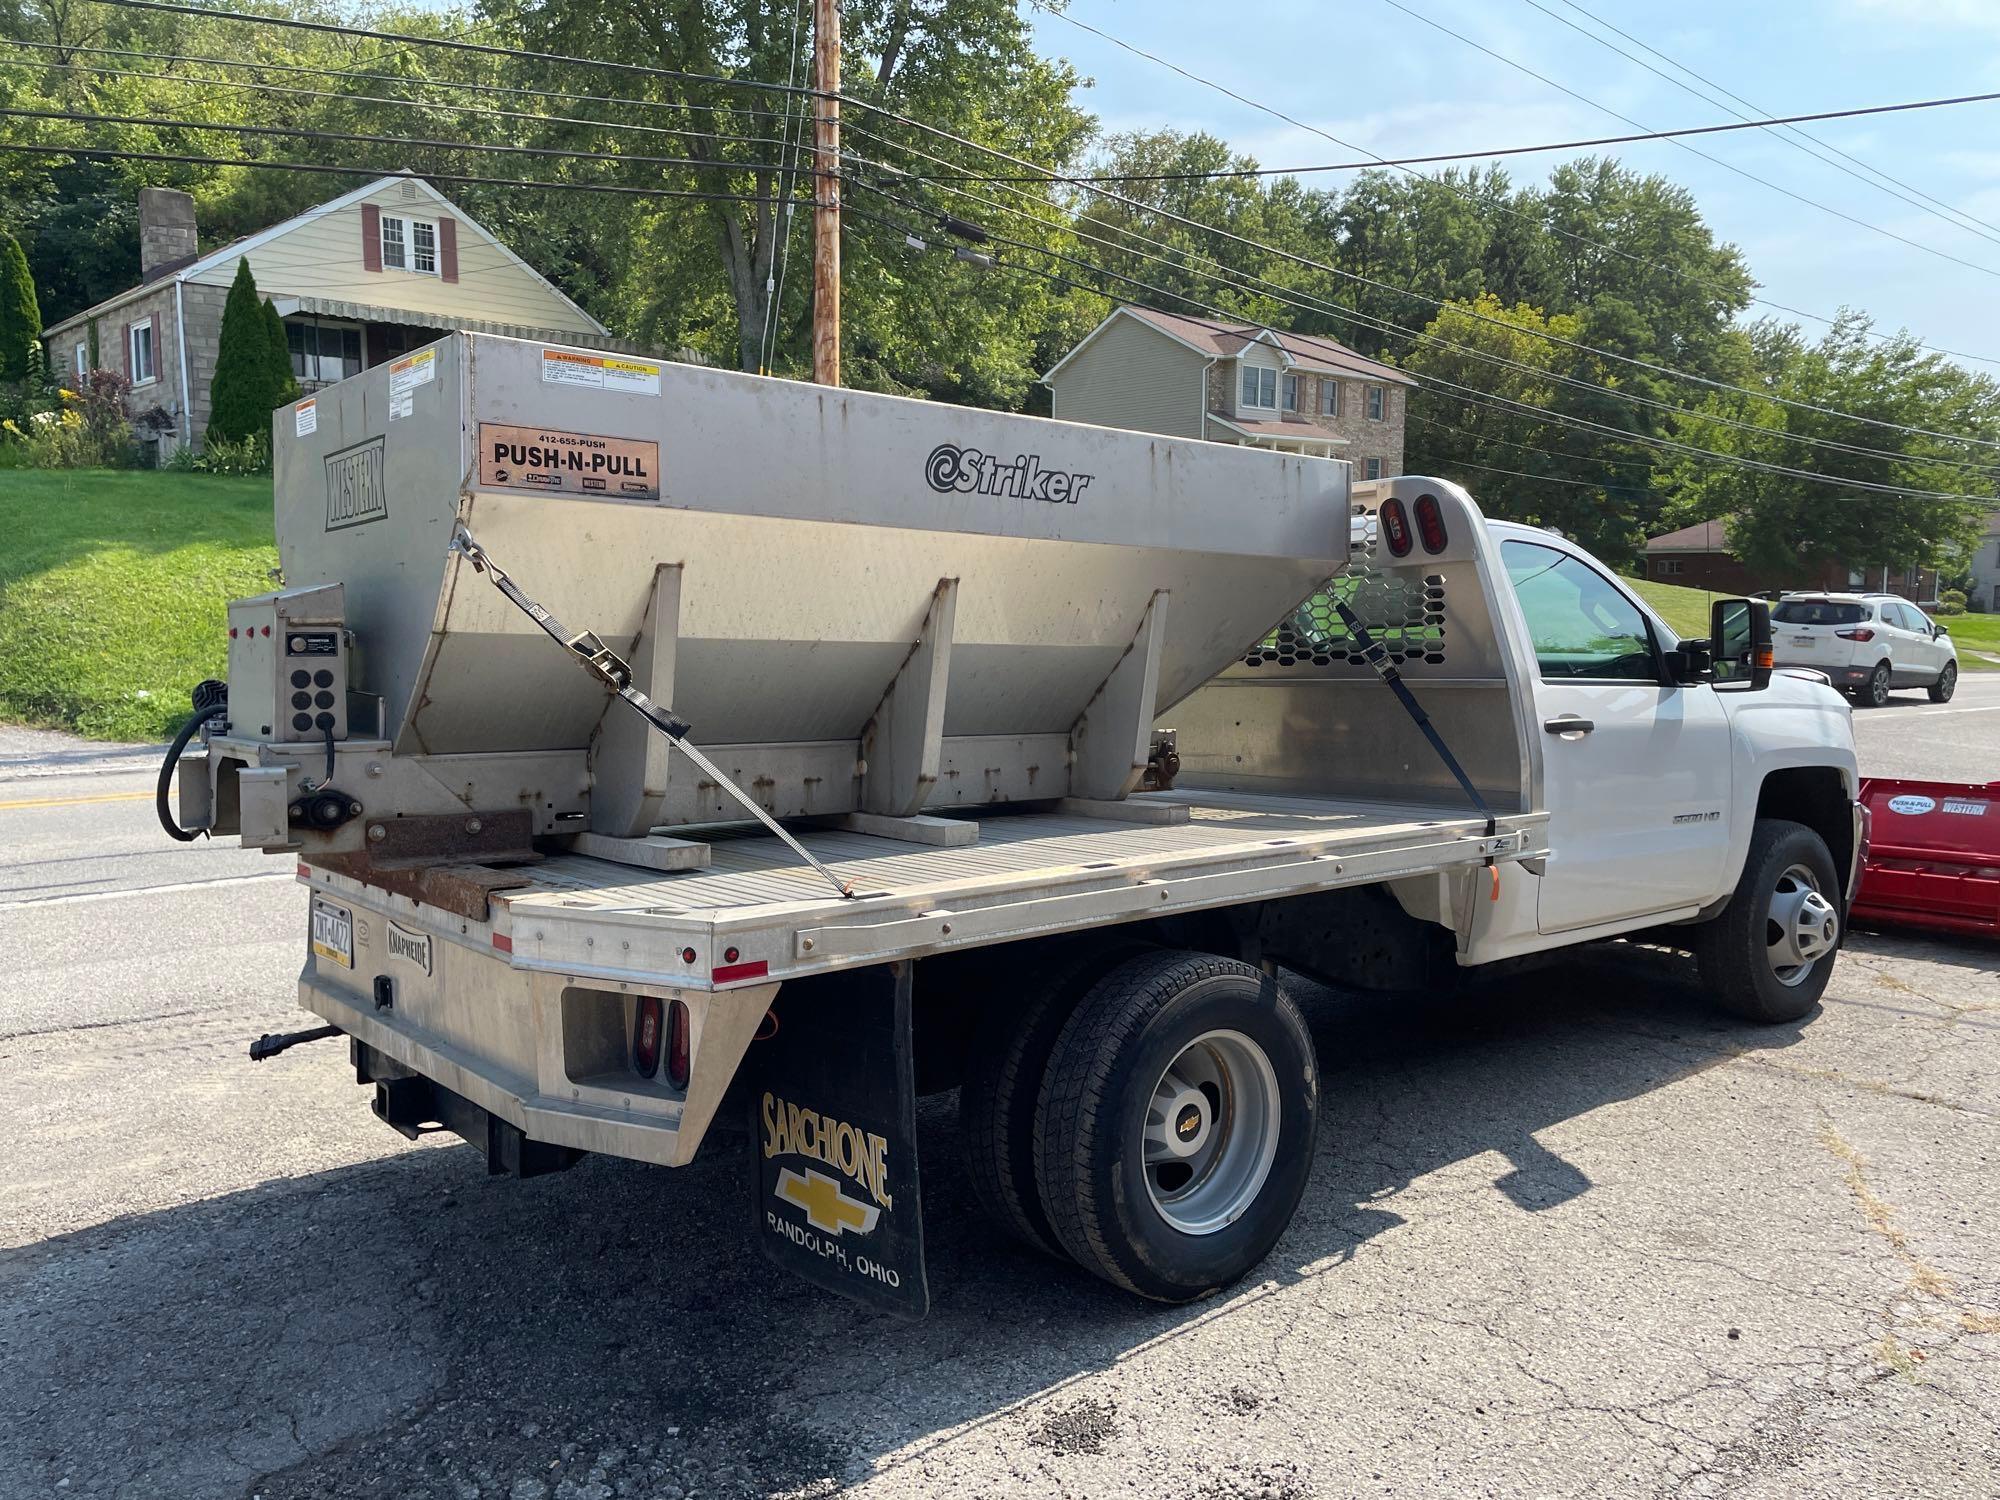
{"x":358,"y":280}
{"x":1235,"y":383}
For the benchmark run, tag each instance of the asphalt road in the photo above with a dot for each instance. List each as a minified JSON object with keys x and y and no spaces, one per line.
{"x":1572,"y":1235}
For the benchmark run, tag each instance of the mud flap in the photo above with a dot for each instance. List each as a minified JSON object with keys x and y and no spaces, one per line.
{"x":834,"y":1117}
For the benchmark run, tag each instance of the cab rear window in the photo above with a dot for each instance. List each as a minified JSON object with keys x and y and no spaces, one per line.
{"x":1818,"y":612}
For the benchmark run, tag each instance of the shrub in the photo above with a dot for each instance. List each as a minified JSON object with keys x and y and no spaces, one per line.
{"x":251,"y":455}
{"x":284,"y":384}
{"x":1951,"y":602}
{"x":242,"y":394}
{"x":87,"y":430}
{"x":20,"y":314}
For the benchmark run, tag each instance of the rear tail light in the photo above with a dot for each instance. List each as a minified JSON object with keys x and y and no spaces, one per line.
{"x":1430,"y":524}
{"x":678,"y":1055}
{"x":1862,"y":634}
{"x":647,"y":1025}
{"x":1396,"y":527}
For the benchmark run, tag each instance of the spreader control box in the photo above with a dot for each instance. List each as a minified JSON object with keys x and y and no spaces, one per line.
{"x":288,"y":665}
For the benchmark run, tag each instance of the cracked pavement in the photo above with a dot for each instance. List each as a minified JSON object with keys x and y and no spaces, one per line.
{"x":1572,"y":1234}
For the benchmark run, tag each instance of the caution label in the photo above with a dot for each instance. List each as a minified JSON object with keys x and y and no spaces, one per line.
{"x":604,"y":372}
{"x":412,"y":370}
{"x":567,"y":463}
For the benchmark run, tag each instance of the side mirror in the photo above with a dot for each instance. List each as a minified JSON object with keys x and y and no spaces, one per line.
{"x":1740,"y":643}
{"x":1690,"y":662}
{"x":1939,"y":632}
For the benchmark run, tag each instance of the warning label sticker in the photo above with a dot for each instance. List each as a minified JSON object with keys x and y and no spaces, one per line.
{"x":411,"y":371}
{"x":305,"y":418}
{"x":568,"y":463}
{"x":604,"y":372}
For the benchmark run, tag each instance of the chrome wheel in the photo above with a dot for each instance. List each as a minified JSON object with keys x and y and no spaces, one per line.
{"x":1211,"y":1132}
{"x":1801,"y":926}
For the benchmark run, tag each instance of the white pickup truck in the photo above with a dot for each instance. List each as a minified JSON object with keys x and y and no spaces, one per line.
{"x":1049,"y":811}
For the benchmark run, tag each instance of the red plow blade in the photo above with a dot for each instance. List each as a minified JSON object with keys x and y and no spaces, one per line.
{"x":1933,"y":856}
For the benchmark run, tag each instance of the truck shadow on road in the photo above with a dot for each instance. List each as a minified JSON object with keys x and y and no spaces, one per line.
{"x":409,"y":1327}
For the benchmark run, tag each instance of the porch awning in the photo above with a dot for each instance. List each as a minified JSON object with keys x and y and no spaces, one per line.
{"x":363,"y":312}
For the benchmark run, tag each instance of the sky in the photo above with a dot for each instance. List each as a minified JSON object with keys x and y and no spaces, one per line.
{"x":1381,"y":79}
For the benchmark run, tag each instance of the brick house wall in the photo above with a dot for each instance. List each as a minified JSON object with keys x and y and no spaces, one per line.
{"x":1366,"y":437}
{"x":1720,"y":573}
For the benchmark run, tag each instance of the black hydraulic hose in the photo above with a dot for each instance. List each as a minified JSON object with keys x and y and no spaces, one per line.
{"x":162,"y":790}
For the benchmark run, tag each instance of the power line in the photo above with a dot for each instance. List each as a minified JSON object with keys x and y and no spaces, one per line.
{"x":306,"y":133}
{"x":1224,"y":173}
{"x":189,"y":81}
{"x":1790,"y":125}
{"x":263,"y":65}
{"x":1749,"y":176}
{"x":1237,"y":280}
{"x":935,"y":130}
{"x":677,"y":75}
{"x":1452,"y":188}
{"x":618,"y":189}
{"x":1357,"y":277}
{"x":1541,"y":413}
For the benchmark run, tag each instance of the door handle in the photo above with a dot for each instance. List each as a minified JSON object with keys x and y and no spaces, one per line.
{"x":1568,"y":725}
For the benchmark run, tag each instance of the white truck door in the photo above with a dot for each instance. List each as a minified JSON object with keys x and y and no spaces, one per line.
{"x":1635,"y":770}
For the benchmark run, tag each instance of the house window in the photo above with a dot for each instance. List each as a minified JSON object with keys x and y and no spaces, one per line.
{"x":1374,"y":403}
{"x":1371,"y":468}
{"x":1666,"y":567}
{"x":1329,"y":398}
{"x":323,"y":352}
{"x":1291,"y":393}
{"x":1260,"y":388}
{"x":144,"y":371}
{"x":409,"y":244}
{"x":82,"y":361}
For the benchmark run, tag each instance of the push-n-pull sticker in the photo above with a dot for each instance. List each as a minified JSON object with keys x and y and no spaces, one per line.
{"x":567,"y":463}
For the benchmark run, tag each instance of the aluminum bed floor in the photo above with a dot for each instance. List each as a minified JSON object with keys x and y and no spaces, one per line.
{"x":757,"y":914}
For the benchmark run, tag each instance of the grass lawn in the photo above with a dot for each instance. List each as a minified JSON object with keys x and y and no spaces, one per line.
{"x":1978,"y":640}
{"x":113,"y":586}
{"x":1685,"y":610}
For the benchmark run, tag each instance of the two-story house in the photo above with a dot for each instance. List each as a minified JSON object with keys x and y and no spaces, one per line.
{"x":358,"y":280}
{"x":1235,"y":383}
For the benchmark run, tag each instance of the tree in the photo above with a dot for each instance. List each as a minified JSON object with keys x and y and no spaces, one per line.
{"x":242,"y":395}
{"x":284,"y":385}
{"x":1860,"y":392}
{"x":20,"y":315}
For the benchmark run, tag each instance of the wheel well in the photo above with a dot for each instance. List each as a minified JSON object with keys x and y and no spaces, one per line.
{"x":1817,"y":797}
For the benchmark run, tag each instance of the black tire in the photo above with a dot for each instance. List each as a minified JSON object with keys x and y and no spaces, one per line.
{"x":1732,"y":949}
{"x":1005,"y":1065}
{"x":1090,"y":1122}
{"x":1946,"y":685}
{"x":1874,"y":693}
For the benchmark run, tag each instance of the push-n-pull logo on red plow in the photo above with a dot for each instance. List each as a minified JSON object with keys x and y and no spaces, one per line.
{"x":1933,"y":856}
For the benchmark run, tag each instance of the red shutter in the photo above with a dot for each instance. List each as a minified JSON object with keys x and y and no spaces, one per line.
{"x":125,"y":350}
{"x":371,"y":237}
{"x":448,"y":249}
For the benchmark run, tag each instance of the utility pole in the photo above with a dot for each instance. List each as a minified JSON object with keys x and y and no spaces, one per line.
{"x":826,"y":192}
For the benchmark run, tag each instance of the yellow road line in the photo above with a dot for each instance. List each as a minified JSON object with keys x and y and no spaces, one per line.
{"x":75,"y":801}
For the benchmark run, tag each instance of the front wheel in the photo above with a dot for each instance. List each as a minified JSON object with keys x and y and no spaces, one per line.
{"x":1946,"y":685}
{"x":1174,"y":1132}
{"x":1769,"y":954}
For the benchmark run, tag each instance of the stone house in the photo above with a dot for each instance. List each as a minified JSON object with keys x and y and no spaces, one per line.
{"x":359,"y":280}
{"x":1235,"y":383}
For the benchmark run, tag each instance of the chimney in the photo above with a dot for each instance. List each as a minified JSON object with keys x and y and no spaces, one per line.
{"x":166,"y":231}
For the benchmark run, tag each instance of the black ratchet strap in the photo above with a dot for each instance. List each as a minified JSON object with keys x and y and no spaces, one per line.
{"x":1377,"y":657}
{"x":611,"y":669}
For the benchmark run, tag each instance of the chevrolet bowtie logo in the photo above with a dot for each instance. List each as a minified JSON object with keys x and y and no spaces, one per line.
{"x":827,"y":1209}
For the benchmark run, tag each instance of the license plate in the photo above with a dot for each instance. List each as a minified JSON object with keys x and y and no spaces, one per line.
{"x":1802,"y":640}
{"x":332,"y":932}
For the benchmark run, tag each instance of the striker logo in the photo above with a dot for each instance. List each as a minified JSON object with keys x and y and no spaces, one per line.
{"x":968,"y":471}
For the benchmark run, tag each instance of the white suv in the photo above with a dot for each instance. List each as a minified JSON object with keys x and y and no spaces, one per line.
{"x":1866,"y":643}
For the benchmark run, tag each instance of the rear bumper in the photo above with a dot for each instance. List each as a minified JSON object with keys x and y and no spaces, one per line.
{"x":1839,"y":676}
